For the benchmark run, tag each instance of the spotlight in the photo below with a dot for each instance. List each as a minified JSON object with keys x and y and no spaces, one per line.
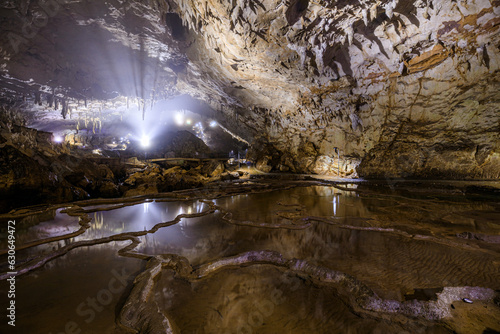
{"x":179,"y":119}
{"x":58,"y":139}
{"x":213,"y":124}
{"x":145,"y":141}
{"x":188,"y":121}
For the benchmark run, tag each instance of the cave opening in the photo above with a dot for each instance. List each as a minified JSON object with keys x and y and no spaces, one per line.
{"x":249,"y":167}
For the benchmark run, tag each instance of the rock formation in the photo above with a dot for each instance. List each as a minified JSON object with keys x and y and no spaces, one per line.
{"x":377,"y":88}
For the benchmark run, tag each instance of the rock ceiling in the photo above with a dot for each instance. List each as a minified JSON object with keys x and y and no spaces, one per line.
{"x":392,"y":88}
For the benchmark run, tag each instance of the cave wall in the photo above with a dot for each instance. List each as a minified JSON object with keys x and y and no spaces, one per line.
{"x":407,"y":88}
{"x":376,"y":88}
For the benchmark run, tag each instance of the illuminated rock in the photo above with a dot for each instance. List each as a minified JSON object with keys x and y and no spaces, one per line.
{"x":382,"y":81}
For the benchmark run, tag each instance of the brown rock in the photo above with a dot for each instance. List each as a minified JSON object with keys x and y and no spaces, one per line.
{"x":143,"y":189}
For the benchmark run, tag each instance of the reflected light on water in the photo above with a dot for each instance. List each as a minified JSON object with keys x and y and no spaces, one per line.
{"x":334,"y":205}
{"x":365,"y":247}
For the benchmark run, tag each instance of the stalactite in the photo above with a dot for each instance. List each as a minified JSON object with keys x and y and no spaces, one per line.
{"x":53,"y":97}
{"x":364,"y":13}
{"x":389,"y":10}
{"x":64,"y":111}
{"x":373,"y":12}
{"x":350,"y":34}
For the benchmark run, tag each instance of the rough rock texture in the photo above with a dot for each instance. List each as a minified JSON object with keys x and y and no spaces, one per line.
{"x":34,"y":170}
{"x":154,"y":179}
{"x":406,"y":88}
{"x":411,"y":88}
{"x":180,"y":144}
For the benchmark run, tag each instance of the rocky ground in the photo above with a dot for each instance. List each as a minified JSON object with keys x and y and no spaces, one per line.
{"x":35,"y":170}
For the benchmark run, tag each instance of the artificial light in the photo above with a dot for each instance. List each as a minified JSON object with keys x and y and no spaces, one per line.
{"x":179,"y":119}
{"x":58,"y":139}
{"x":145,"y":142}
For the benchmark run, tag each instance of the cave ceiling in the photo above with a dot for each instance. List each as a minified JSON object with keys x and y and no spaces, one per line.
{"x":406,"y":85}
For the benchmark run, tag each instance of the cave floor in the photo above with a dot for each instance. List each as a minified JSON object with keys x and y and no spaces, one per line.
{"x":264,"y":256}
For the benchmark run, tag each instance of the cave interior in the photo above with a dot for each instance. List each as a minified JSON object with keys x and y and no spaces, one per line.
{"x":250,"y":166}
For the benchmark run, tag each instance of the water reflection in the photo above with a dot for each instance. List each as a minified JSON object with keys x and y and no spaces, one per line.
{"x":393,"y":244}
{"x":139,"y":217}
{"x":51,"y":297}
{"x":41,"y":226}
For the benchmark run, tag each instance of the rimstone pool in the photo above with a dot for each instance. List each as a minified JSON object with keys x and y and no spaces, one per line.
{"x":264,"y":257}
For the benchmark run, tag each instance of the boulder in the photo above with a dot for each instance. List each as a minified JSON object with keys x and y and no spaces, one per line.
{"x":109,"y":190}
{"x":212,"y":168}
{"x":229,"y":176}
{"x":263,"y":166}
{"x":143,"y":189}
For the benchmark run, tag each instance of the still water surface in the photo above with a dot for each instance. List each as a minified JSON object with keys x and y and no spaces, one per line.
{"x":395,"y":244}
